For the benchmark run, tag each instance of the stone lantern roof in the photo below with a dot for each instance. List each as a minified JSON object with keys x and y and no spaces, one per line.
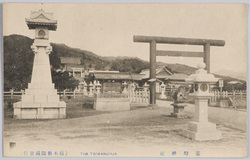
{"x":41,"y":18}
{"x":201,"y":75}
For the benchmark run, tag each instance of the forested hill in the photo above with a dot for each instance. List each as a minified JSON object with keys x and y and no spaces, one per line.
{"x":18,"y":61}
{"x":18,"y":47}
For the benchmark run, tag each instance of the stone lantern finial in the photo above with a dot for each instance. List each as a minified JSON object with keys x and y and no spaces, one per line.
{"x":201,"y":65}
{"x":201,"y":68}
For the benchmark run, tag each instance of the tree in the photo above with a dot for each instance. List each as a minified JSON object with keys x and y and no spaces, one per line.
{"x":63,"y":81}
{"x":90,"y":65}
{"x":129,"y":65}
{"x":18,"y":62}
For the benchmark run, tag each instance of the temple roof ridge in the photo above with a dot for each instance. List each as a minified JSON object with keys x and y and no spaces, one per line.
{"x":41,"y":18}
{"x":35,"y":14}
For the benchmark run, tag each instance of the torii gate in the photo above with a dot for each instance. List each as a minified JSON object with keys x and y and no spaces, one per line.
{"x":168,"y":40}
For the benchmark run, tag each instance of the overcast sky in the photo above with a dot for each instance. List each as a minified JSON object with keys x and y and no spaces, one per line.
{"x":108,"y":29}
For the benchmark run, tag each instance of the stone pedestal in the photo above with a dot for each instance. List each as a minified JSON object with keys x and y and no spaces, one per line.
{"x":224,"y":103}
{"x":178,"y":110}
{"x":200,"y":129}
{"x":152,"y":106}
{"x":111,"y":102}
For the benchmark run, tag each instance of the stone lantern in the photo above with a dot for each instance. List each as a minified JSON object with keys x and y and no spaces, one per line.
{"x":91,"y":89}
{"x":200,"y":129}
{"x":133,"y":87}
{"x":98,"y":87}
{"x":180,"y":97}
{"x":94,"y":86}
{"x":163,"y":87}
{"x":125,"y":85}
{"x":40,"y":100}
{"x":85,"y":86}
{"x":146,"y":87}
{"x":81,"y":84}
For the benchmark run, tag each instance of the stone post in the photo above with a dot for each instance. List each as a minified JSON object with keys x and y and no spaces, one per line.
{"x":74,"y":94}
{"x":146,"y":94}
{"x":11,"y":93}
{"x":81,"y":73}
{"x":64,"y":92}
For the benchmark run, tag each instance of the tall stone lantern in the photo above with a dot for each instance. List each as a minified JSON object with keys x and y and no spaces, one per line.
{"x":200,"y":129}
{"x":40,"y":100}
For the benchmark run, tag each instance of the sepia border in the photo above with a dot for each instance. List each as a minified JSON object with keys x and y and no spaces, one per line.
{"x":120,"y":1}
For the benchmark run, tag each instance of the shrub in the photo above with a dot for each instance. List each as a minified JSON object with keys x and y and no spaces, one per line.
{"x":8,"y":103}
{"x":88,"y":103}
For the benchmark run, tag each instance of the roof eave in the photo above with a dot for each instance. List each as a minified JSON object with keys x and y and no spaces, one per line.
{"x":33,"y":24}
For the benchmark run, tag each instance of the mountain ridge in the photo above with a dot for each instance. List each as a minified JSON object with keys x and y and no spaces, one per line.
{"x":19,"y":43}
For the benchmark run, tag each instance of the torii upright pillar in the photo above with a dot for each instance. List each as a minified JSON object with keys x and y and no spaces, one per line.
{"x":206,"y":43}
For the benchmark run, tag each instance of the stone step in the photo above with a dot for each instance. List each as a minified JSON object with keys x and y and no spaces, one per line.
{"x":40,"y":104}
{"x":40,"y":98}
{"x":28,"y":110}
{"x":32,"y":91}
{"x":41,"y":86}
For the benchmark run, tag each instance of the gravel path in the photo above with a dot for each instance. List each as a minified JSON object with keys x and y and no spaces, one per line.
{"x":139,"y":132}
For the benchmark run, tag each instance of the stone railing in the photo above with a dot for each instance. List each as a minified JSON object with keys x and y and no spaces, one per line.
{"x":111,"y":95}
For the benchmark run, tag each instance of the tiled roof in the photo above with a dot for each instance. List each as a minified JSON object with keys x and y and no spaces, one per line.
{"x":101,"y":71}
{"x":177,"y":76}
{"x":70,"y":60}
{"x":118,"y":76}
{"x":69,"y":67}
{"x":161,"y":73}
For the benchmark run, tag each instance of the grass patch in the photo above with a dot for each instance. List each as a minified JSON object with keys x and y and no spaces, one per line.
{"x":76,"y":108}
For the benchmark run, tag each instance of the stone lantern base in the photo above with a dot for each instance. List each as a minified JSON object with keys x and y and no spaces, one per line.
{"x":42,"y":110}
{"x":40,"y":104}
{"x":178,"y":110}
{"x":202,"y":131}
{"x":152,"y":106}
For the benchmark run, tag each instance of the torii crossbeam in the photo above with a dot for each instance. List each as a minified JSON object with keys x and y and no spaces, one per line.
{"x":206,"y":43}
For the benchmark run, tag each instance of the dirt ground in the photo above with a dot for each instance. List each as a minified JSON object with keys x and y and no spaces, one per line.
{"x":140,"y":132}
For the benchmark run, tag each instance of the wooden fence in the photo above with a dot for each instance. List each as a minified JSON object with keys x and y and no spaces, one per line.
{"x":17,"y":94}
{"x":135,"y":96}
{"x":237,"y":95}
{"x":236,"y":99}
